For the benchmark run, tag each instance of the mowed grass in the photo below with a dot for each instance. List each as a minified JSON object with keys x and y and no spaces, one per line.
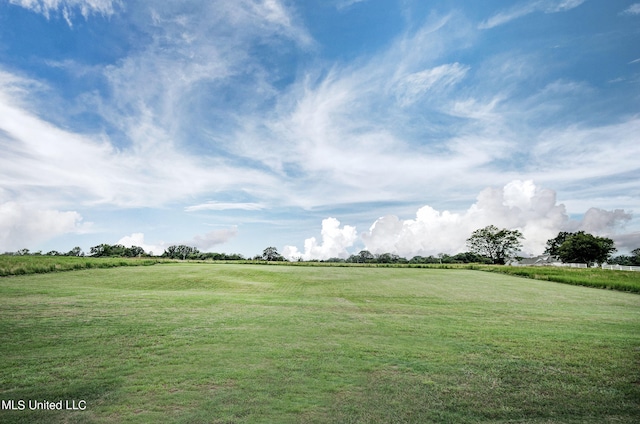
{"x":213,"y":343}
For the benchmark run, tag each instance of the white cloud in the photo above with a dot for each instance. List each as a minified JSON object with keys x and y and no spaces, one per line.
{"x":335,"y":241}
{"x":634,"y":9}
{"x":221,"y":206}
{"x":344,"y":4}
{"x":22,"y":226}
{"x":212,"y":238}
{"x":518,"y":205}
{"x":602,"y":222}
{"x":523,"y":9}
{"x":203,"y":242}
{"x":67,"y":7}
{"x":137,"y":239}
{"x":419,"y":83}
{"x":625,"y":243}
{"x":42,"y":161}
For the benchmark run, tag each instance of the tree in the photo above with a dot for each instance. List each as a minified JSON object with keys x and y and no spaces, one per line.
{"x":554,"y":244}
{"x":271,"y":254}
{"x":586,"y":248}
{"x":494,"y":243}
{"x":134,"y":251}
{"x":180,"y":252}
{"x":365,"y":256}
{"x":76,"y":251}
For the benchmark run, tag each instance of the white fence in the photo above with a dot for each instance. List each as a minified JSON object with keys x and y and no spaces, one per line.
{"x":571,"y":265}
{"x":560,"y":264}
{"x":621,"y":267}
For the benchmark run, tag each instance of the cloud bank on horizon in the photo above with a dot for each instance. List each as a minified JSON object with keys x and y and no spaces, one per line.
{"x":518,"y":205}
{"x":151,"y":123}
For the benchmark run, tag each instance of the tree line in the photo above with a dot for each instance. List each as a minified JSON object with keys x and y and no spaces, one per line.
{"x":488,"y":245}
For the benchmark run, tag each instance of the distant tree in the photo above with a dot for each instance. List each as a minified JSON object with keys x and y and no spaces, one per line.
{"x":494,"y":243}
{"x":625,"y":260}
{"x":107,"y":250}
{"x":53,"y":253}
{"x":271,"y":254}
{"x":22,"y":252}
{"x":335,"y":260}
{"x":76,"y":251}
{"x":98,"y":250}
{"x":182,"y":251}
{"x":388,"y":258}
{"x":586,"y":248}
{"x":470,"y":257}
{"x":635,"y":256}
{"x":365,"y":256}
{"x":134,"y":251}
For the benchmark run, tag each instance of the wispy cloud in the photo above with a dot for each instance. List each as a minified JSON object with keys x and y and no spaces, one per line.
{"x":523,"y":9}
{"x":418,"y":84}
{"x":221,"y":206}
{"x":634,"y":9}
{"x":344,"y":4}
{"x":68,"y":7}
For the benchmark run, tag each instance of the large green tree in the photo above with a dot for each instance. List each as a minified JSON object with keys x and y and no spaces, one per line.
{"x":586,"y":248}
{"x":494,"y":243}
{"x":554,"y":244}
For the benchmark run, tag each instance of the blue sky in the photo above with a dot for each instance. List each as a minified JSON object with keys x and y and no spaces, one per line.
{"x":318,"y":127}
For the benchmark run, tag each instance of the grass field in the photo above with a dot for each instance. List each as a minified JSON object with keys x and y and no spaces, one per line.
{"x":202,"y":343}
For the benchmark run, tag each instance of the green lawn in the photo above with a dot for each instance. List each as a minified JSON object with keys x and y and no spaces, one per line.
{"x":202,"y":343}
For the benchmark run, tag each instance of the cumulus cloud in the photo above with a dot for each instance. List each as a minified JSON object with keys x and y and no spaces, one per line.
{"x":137,"y":239}
{"x":518,"y":205}
{"x":602,"y":222}
{"x":22,"y":226}
{"x":625,"y":243}
{"x":335,"y":241}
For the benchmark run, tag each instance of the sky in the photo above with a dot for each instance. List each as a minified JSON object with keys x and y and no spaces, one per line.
{"x":321,"y":128}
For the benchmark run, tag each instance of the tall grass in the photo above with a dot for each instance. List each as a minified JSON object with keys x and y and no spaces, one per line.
{"x":29,"y":264}
{"x":590,"y":277}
